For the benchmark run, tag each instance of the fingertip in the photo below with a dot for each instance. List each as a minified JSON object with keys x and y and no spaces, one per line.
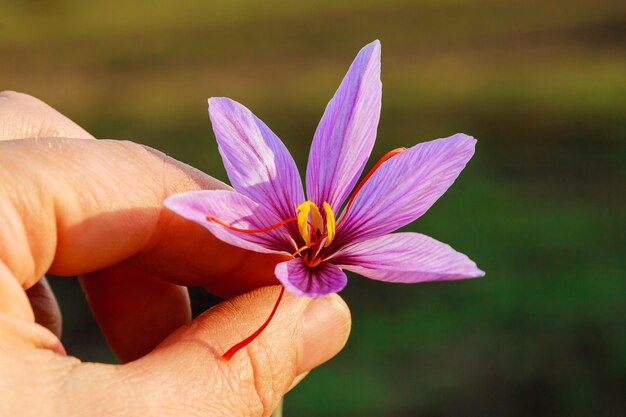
{"x":45,"y":306}
{"x":326,"y":327}
{"x":303,"y":334}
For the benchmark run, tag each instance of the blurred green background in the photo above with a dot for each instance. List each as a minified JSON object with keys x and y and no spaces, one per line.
{"x":541,"y":84}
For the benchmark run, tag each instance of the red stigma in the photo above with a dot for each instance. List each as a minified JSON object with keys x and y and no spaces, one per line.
{"x":385,"y":157}
{"x":231,"y":352}
{"x":237,"y":229}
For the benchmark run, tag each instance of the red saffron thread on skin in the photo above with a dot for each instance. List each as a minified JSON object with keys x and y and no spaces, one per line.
{"x":385,"y":157}
{"x":236,"y":229}
{"x":231,"y":352}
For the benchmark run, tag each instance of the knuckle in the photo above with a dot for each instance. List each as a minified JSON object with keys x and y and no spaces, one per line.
{"x":11,"y":97}
{"x":258,"y":378}
{"x":8,"y":94}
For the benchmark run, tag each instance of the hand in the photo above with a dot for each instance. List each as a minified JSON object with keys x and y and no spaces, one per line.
{"x":72,"y":205}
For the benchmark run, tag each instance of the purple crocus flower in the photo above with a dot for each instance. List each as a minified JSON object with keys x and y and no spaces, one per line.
{"x":327,"y":233}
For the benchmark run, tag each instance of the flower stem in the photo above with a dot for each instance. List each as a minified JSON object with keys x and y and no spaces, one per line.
{"x":279,"y":409}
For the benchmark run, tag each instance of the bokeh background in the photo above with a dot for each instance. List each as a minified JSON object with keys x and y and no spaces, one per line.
{"x":541,"y":84}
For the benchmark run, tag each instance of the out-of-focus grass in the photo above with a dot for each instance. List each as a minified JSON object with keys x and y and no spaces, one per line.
{"x":540,"y":208}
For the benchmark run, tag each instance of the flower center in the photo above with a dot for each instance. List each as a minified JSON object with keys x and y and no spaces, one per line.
{"x":311,"y":223}
{"x":310,"y":220}
{"x":313,"y":230}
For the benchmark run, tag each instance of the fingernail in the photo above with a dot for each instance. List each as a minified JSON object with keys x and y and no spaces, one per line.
{"x":325,"y":330}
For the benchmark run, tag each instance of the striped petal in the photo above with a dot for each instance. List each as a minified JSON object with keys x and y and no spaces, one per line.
{"x":406,"y":258}
{"x":346,"y":134}
{"x":257,"y":162}
{"x":404,"y":188}
{"x":300,"y":279}
{"x":235,"y":210}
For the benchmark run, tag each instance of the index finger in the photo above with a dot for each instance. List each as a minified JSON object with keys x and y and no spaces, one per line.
{"x":70,"y":206}
{"x":23,"y":116}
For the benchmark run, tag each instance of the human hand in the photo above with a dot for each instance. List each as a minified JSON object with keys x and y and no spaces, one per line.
{"x":71,"y":205}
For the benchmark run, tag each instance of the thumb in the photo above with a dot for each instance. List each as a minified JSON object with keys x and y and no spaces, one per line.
{"x":186,"y":371}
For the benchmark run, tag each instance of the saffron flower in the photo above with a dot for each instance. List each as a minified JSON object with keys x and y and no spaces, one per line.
{"x":329,"y":232}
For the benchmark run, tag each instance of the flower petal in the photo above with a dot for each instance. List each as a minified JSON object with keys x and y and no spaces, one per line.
{"x":236,"y":210}
{"x":257,"y":162}
{"x":407,"y":258}
{"x":404,"y":188}
{"x":301,"y":279}
{"x":346,"y":134}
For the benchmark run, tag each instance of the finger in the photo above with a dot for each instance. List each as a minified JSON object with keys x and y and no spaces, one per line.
{"x":112,"y":294}
{"x":23,"y":116}
{"x":304,"y":333}
{"x":17,"y":319}
{"x":45,"y":306}
{"x":297,"y":380}
{"x":135,"y":310}
{"x":76,"y":206}
{"x":184,"y":375}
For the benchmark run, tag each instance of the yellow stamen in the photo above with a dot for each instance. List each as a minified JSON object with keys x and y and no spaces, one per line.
{"x":303,"y":211}
{"x":330,"y":223}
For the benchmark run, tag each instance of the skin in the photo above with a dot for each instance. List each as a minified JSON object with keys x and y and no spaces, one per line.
{"x":72,"y":205}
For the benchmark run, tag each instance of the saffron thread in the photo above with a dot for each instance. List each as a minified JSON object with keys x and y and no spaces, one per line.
{"x":385,"y":157}
{"x":237,"y":229}
{"x":299,"y":251}
{"x":231,"y":352}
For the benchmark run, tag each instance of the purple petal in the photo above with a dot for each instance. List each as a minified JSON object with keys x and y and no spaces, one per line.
{"x":404,"y":188}
{"x":258,"y":164}
{"x":407,"y":258}
{"x":345,"y":136}
{"x":233,"y":209}
{"x":300,"y":279}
